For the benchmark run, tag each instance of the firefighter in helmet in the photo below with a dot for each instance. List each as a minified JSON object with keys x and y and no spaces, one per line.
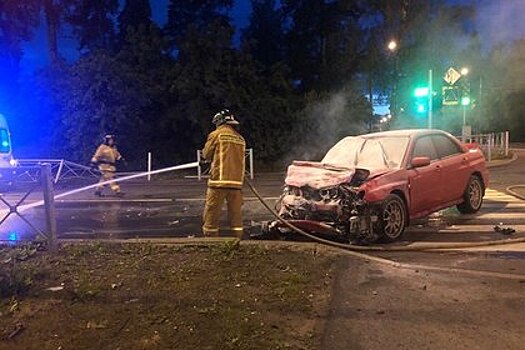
{"x":105,"y":158}
{"x":224,"y":149}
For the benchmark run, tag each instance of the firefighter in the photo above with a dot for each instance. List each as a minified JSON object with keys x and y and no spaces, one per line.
{"x":224,"y":149}
{"x":105,"y":158}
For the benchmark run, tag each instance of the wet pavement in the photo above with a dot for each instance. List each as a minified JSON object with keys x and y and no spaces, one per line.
{"x":512,"y":174}
{"x":173,"y":208}
{"x":165,"y":208}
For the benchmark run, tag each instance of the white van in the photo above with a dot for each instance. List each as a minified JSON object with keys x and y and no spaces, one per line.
{"x":7,"y":162}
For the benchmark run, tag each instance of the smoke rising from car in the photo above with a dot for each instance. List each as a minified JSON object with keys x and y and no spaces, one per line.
{"x":327,"y":120}
{"x":498,"y":21}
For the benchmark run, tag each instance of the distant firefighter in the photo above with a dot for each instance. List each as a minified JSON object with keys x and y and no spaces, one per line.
{"x":105,"y":158}
{"x":225,"y":149}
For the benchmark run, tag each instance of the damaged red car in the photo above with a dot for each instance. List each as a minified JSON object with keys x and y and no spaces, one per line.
{"x":370,"y":187}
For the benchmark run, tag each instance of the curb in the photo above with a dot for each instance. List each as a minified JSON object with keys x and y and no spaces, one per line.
{"x":503,"y":162}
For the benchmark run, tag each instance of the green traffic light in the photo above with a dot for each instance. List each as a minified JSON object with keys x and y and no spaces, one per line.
{"x":421,"y":108}
{"x":465,"y":101}
{"x":421,"y":92}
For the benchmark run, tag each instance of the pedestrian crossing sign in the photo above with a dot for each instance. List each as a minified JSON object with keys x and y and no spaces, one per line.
{"x":451,"y":95}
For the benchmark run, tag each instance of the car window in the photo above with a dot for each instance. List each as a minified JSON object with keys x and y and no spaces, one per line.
{"x":445,"y":146}
{"x":424,"y":148}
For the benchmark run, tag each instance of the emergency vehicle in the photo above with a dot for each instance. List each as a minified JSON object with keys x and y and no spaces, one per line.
{"x":7,"y":162}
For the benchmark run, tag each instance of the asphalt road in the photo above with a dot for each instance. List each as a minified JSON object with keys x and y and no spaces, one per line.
{"x":173,"y":209}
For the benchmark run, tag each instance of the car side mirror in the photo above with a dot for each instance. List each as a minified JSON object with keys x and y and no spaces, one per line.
{"x":418,"y":162}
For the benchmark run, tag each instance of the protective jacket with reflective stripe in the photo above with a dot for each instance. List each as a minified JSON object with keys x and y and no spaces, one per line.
{"x":225,"y":147}
{"x":106,"y":156}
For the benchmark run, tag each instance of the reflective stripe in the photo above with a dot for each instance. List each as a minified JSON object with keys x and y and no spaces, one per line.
{"x":222,"y":182}
{"x":237,"y":229}
{"x":210,"y":229}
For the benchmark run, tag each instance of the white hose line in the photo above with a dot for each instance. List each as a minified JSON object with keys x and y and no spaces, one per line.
{"x":130,"y":177}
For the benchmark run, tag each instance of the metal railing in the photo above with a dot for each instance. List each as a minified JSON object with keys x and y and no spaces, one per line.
{"x":61,"y":169}
{"x":491,"y":144}
{"x":204,"y":172}
{"x":15,"y":208}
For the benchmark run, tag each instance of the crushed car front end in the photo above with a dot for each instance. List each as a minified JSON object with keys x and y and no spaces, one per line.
{"x":332,"y":197}
{"x":334,"y":206}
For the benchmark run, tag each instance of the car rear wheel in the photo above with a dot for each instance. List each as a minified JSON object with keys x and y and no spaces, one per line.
{"x":392,"y":218}
{"x":472,"y":197}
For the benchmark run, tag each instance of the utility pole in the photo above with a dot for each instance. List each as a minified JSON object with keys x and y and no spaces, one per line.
{"x":430,"y":98}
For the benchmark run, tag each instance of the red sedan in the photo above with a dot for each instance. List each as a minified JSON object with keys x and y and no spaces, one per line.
{"x":369,"y":187}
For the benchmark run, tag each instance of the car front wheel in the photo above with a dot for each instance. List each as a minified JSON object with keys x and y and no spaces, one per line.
{"x":472,"y":197}
{"x":393,"y":218}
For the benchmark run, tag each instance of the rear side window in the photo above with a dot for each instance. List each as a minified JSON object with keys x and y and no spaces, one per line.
{"x":424,"y":148}
{"x":5,"y":146}
{"x":445,"y":146}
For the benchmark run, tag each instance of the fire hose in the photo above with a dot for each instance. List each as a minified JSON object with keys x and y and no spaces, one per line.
{"x":429,"y":247}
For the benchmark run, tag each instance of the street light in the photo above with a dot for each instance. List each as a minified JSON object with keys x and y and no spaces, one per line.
{"x":392,"y":45}
{"x":464,"y":71}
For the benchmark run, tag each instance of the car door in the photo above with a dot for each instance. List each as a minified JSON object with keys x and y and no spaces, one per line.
{"x":455,"y":169}
{"x":424,"y":189}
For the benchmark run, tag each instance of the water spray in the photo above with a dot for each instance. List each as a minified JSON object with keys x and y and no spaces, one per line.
{"x":125,"y":178}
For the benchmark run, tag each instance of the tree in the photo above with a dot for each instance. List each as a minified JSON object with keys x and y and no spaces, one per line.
{"x":93,"y":22}
{"x":323,"y":41}
{"x":17,"y":22}
{"x":264,"y":37}
{"x":96,"y":95}
{"x":136,"y":15}
{"x":188,"y":19}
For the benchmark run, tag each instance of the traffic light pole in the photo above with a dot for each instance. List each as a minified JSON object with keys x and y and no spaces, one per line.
{"x":430,"y":98}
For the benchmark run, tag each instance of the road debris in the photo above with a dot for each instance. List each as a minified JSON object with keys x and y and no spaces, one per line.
{"x":504,"y":230}
{"x":55,"y":289}
{"x":19,"y":327}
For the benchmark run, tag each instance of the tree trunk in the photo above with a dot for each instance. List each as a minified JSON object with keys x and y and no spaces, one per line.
{"x":51,"y":13}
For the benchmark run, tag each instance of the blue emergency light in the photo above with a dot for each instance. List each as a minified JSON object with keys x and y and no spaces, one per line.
{"x":5,"y":146}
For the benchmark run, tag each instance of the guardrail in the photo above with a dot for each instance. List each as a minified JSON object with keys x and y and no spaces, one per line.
{"x":61,"y":169}
{"x":15,"y":207}
{"x":490,"y":144}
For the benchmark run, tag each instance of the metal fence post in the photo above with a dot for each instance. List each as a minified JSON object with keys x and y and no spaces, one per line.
{"x":49,"y":204}
{"x":489,"y":148}
{"x":506,"y":143}
{"x":59,"y":171}
{"x":199,"y":170}
{"x":149,"y":166}
{"x":251,"y":163}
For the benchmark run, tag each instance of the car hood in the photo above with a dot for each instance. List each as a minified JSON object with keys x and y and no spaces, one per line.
{"x":320,"y":175}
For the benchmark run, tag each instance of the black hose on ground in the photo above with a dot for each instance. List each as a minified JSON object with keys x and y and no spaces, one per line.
{"x":438,"y":246}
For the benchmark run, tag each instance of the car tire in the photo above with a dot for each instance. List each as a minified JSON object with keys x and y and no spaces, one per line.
{"x":392,"y":218}
{"x":472,"y":197}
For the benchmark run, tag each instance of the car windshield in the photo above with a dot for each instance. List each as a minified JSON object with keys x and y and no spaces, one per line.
{"x":368,"y":153}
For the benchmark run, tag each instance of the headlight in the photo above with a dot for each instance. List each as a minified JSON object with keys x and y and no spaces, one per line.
{"x":13,"y":162}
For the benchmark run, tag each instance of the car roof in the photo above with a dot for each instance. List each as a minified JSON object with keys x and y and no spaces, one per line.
{"x":406,"y":132}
